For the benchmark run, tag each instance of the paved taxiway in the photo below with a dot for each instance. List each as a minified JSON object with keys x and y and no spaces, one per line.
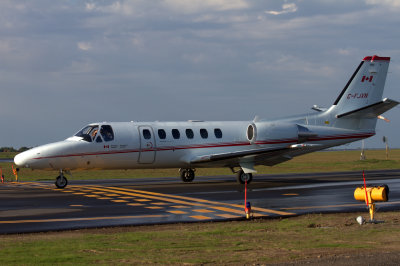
{"x":39,"y":206}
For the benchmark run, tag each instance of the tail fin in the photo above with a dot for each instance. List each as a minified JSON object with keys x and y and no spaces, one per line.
{"x":365,"y":86}
{"x":360,"y":102}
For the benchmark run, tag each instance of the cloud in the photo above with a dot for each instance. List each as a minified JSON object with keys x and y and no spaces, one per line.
{"x":286,"y":8}
{"x":84,"y":46}
{"x":388,"y":3}
{"x":137,"y":41}
{"x":195,"y":58}
{"x":141,"y":7}
{"x":5,"y":46}
{"x":90,"y":6}
{"x":344,"y":52}
{"x":126,"y":8}
{"x":80,"y":67}
{"x":194,"y":6}
{"x":293,"y":66}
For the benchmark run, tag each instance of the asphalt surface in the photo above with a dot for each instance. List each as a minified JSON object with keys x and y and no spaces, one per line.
{"x":39,"y":206}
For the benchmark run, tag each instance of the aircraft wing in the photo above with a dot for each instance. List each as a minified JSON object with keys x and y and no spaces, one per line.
{"x":264,"y":156}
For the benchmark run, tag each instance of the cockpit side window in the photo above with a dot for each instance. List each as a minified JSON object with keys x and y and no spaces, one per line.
{"x":88,"y":133}
{"x":107,"y":133}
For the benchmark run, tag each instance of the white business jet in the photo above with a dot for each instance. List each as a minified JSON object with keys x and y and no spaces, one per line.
{"x":239,"y":145}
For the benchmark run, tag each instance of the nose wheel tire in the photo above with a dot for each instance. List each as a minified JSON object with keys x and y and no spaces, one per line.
{"x":187,"y":175}
{"x":241,"y":177}
{"x":61,"y":182}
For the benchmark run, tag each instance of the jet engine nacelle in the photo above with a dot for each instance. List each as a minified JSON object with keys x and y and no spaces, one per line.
{"x":272,"y":133}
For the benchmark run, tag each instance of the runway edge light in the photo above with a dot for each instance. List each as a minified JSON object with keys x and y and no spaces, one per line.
{"x":370,"y":195}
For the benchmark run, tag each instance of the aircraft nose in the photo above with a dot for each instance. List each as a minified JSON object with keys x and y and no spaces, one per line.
{"x":22,"y":159}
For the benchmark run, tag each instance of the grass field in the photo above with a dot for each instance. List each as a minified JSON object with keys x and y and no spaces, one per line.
{"x":309,"y":237}
{"x":326,"y":161}
{"x":7,"y":154}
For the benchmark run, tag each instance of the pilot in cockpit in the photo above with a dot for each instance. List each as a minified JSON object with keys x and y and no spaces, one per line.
{"x":89,"y":133}
{"x":94,"y":133}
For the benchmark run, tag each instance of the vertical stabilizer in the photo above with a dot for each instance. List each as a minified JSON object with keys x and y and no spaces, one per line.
{"x":365,"y":86}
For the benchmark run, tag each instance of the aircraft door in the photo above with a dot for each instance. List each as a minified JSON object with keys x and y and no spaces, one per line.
{"x":147,"y":145}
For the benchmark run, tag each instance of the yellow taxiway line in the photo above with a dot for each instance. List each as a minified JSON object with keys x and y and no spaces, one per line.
{"x":210,"y":204}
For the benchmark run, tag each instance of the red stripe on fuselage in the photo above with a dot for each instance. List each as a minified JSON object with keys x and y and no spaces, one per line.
{"x":212,"y":145}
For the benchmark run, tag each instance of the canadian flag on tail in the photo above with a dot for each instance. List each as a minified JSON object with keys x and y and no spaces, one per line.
{"x":364,"y":78}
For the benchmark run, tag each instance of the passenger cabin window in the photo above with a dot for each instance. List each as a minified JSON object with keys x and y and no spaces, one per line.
{"x":176,"y":134}
{"x":189,"y":133}
{"x":88,"y":133}
{"x":203,"y":133}
{"x":218,"y":133}
{"x":107,"y":132}
{"x":162,"y":134}
{"x":146,"y":134}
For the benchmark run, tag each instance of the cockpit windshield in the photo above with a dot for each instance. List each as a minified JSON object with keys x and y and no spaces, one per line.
{"x":90,"y":132}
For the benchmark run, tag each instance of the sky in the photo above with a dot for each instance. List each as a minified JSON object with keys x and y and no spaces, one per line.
{"x":64,"y":64}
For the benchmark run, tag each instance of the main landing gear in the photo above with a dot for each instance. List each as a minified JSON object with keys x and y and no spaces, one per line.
{"x":61,"y":180}
{"x":242,"y":177}
{"x":187,"y":175}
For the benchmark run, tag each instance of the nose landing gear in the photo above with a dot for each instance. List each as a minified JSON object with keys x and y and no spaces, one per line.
{"x":61,"y":180}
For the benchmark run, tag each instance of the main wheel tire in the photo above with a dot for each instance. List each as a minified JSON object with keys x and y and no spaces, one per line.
{"x":187,"y":175}
{"x":61,"y":181}
{"x":241,"y":177}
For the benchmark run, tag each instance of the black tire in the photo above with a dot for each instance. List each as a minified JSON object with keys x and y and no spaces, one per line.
{"x":242,"y":176}
{"x":61,"y":182}
{"x":187,"y":175}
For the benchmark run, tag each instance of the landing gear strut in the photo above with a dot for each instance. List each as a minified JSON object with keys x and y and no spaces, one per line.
{"x":242,"y":177}
{"x":187,"y":175}
{"x":61,"y":181}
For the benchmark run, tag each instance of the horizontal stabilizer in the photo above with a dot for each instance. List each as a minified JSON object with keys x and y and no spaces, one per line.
{"x":318,"y":108}
{"x":370,"y":111}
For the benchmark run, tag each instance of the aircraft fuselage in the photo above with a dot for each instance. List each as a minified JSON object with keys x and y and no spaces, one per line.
{"x":137,"y":145}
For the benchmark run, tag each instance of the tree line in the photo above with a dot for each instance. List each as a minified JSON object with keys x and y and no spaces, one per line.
{"x":11,"y":149}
